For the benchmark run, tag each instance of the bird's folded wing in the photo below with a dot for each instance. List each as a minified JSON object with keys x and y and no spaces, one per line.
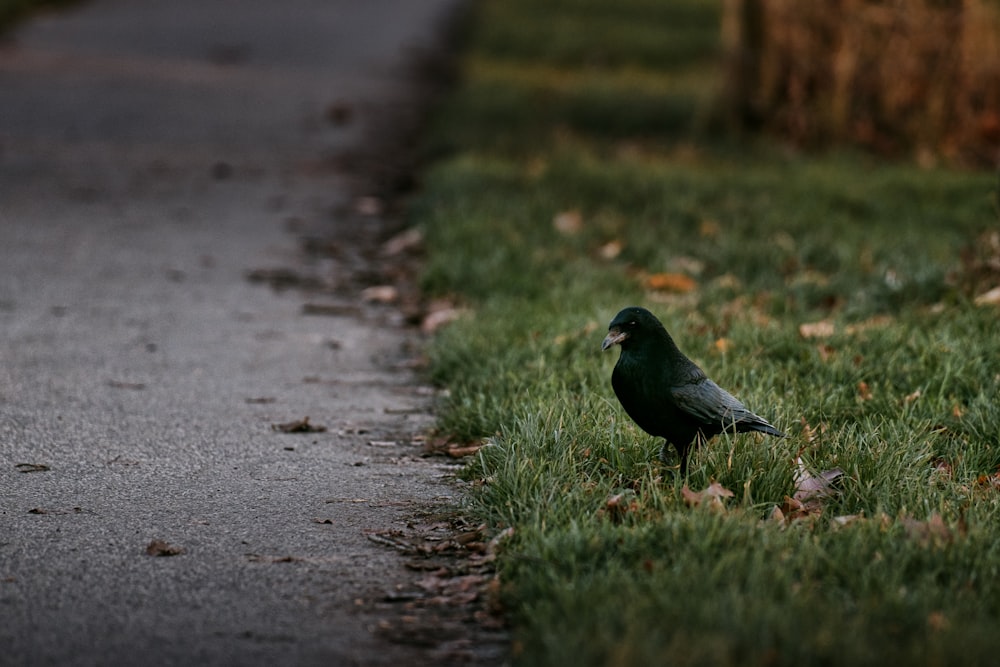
{"x":709,"y":403}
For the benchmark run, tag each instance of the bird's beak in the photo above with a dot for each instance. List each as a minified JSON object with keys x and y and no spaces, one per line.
{"x":614,"y":337}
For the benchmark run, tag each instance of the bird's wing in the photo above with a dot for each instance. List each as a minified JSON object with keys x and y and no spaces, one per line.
{"x":709,"y":403}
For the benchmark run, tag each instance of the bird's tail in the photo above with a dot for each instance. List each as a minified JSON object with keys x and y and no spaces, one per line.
{"x":764,"y":427}
{"x":752,"y":422}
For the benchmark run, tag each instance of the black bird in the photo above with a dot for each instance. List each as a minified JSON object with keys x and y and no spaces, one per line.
{"x":665,"y":393}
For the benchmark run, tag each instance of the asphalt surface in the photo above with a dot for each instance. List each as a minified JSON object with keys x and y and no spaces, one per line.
{"x":151,"y":155}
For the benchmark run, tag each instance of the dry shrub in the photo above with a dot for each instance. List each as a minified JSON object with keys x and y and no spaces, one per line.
{"x":896,"y":76}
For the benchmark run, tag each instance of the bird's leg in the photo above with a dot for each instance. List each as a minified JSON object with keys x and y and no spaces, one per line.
{"x":664,"y":455}
{"x":682,"y":453}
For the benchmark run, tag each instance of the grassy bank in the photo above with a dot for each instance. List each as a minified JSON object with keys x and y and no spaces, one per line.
{"x":583,"y":173}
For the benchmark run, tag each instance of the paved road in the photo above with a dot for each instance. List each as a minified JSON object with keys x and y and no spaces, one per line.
{"x":151,"y":154}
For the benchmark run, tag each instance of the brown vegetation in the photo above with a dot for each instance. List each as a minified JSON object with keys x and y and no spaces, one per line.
{"x":918,"y":77}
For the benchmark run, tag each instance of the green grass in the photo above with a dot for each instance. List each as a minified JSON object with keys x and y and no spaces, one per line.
{"x":574,"y":106}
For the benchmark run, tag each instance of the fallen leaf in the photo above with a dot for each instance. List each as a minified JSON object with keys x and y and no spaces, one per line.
{"x":990,"y":298}
{"x":610,"y":250}
{"x":568,"y":222}
{"x":877,"y":322}
{"x":339,"y":113}
{"x":670,"y":282}
{"x":282,"y":279}
{"x":843,"y":520}
{"x":864,"y":392}
{"x":825,"y":351}
{"x":821,"y":329}
{"x":791,"y":510}
{"x":135,"y":386}
{"x":298,"y":426}
{"x":380,"y":294}
{"x":685,"y":264}
{"x":723,"y":345}
{"x":709,"y":228}
{"x":409,"y":239}
{"x":438,"y":317}
{"x":32,"y":467}
{"x":811,"y":433}
{"x":369,"y":206}
{"x":729,"y":282}
{"x":617,"y":506}
{"x":457,"y":452}
{"x":811,"y":490}
{"x":937,"y":621}
{"x":932,"y":532}
{"x":989,"y":481}
{"x":161,"y":548}
{"x":942,"y":471}
{"x":909,"y":398}
{"x":331,"y":309}
{"x":712,"y":495}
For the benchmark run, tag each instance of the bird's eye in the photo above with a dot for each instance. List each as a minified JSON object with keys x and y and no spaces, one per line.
{"x":632,"y":323}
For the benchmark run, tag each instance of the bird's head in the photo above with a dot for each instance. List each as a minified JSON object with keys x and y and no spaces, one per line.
{"x":631,"y":325}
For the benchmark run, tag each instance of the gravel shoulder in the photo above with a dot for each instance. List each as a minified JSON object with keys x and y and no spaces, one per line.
{"x":153,"y":156}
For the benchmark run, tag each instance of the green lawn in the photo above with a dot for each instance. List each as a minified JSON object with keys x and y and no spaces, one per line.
{"x":602,"y":115}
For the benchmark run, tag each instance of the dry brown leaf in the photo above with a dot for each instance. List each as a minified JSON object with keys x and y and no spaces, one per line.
{"x":619,"y":505}
{"x":723,"y":345}
{"x":671,"y":282}
{"x":810,"y":489}
{"x":990,"y":298}
{"x":792,"y":510}
{"x":909,"y":398}
{"x":610,"y":250}
{"x":458,"y":451}
{"x":937,"y":621}
{"x":568,"y":222}
{"x":712,"y":495}
{"x":877,"y":322}
{"x":31,"y":467}
{"x":932,"y":532}
{"x":843,"y":520}
{"x":728,"y":281}
{"x":380,"y":294}
{"x":161,"y":548}
{"x":810,"y":493}
{"x":825,"y":351}
{"x":439,"y":314}
{"x":864,"y":392}
{"x":709,"y":228}
{"x":991,"y":482}
{"x":409,"y":239}
{"x":298,"y":426}
{"x":821,"y":329}
{"x":942,"y":471}
{"x":369,"y":206}
{"x":811,"y":433}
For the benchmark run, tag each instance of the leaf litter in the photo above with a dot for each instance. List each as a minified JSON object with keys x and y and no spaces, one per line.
{"x":456,"y":604}
{"x":298,"y":426}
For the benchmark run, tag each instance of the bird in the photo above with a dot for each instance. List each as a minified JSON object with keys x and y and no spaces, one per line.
{"x":666,"y":393}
